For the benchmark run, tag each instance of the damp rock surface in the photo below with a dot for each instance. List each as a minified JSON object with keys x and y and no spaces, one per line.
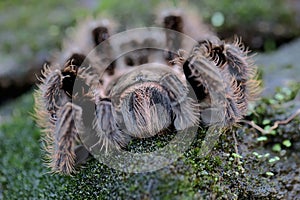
{"x":280,"y":67}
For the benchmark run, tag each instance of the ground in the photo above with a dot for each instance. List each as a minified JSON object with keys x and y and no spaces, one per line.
{"x":268,"y":168}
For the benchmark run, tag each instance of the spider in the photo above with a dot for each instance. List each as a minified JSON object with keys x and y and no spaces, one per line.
{"x":143,"y":92}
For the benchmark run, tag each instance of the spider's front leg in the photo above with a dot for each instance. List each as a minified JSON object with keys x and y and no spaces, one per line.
{"x":184,"y":108}
{"x":219,"y":65}
{"x":242,"y":69}
{"x":237,"y":67}
{"x":57,"y":116}
{"x":65,"y":135}
{"x":211,"y":88}
{"x":109,"y":134}
{"x":49,"y":96}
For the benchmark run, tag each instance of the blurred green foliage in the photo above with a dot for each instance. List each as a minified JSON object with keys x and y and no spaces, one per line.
{"x":244,"y":13}
{"x":28,"y":27}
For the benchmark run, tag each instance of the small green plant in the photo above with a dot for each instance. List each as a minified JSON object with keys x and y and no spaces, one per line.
{"x":270,"y":116}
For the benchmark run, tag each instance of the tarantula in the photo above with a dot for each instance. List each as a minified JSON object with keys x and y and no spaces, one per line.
{"x":144,"y":91}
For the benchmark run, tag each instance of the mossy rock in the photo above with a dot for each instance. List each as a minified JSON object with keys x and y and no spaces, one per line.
{"x":262,"y":173}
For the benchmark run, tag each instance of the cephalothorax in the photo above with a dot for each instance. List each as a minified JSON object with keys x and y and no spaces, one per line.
{"x":141,"y":92}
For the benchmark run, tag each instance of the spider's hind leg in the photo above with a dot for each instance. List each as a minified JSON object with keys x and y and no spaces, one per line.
{"x":50,"y":95}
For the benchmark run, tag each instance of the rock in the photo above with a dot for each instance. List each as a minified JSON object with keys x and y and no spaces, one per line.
{"x":17,"y":76}
{"x":281,"y":67}
{"x":295,"y":7}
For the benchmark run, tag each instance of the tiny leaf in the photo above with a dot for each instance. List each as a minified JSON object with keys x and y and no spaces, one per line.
{"x":266,"y":121}
{"x":287,"y":143}
{"x":276,"y":158}
{"x":276,"y":147}
{"x":262,"y":138}
{"x":269,"y":173}
{"x":236,"y":155}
